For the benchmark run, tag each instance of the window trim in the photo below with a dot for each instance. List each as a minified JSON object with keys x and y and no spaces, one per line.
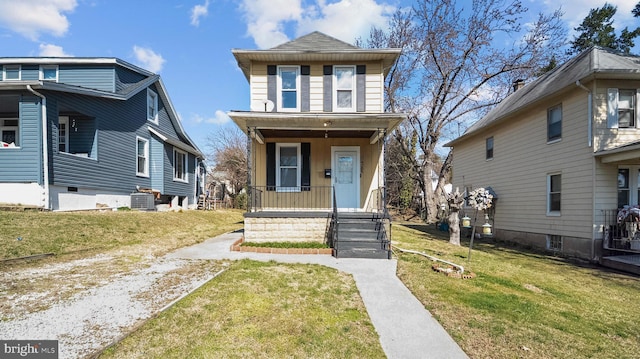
{"x":185,"y":158}
{"x":551,"y":212}
{"x":4,"y":72}
{"x":279,"y":187}
{"x":64,"y":120}
{"x":549,"y":118}
{"x":152,"y":96}
{"x":280,"y":90}
{"x":613,"y":114}
{"x":10,"y":128}
{"x":48,"y":67}
{"x":335,"y":89}
{"x":145,"y":172}
{"x":489,"y":145}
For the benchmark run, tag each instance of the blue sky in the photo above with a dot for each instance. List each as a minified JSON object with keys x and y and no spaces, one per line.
{"x":189,"y":42}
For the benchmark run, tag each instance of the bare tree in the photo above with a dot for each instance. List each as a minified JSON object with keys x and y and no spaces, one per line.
{"x":458,"y":61}
{"x":228,"y":150}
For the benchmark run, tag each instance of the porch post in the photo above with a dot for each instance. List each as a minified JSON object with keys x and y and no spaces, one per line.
{"x":249,"y":174}
{"x":383,"y":169}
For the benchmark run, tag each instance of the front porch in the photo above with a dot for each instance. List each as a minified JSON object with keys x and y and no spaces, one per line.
{"x":621,"y":240}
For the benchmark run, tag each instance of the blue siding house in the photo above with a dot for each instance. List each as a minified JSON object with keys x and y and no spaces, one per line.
{"x":82,"y":133}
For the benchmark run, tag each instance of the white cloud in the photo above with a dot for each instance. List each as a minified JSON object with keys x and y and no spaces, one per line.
{"x":31,"y":18}
{"x":50,"y":50}
{"x":219,"y":118}
{"x":268,"y":20}
{"x":148,"y":59}
{"x":576,"y":10}
{"x":199,"y":11}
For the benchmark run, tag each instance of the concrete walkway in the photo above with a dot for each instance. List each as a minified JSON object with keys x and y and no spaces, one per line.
{"x":406,"y":328}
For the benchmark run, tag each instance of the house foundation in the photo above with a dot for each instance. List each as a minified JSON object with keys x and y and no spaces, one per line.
{"x":286,"y":227}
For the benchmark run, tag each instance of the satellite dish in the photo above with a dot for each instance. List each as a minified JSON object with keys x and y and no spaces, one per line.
{"x":262,"y":105}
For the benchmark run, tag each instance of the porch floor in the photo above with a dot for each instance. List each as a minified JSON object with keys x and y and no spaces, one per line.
{"x":628,"y":263}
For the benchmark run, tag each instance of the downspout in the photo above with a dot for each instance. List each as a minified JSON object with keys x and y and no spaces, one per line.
{"x":45,"y":146}
{"x":590,"y":144}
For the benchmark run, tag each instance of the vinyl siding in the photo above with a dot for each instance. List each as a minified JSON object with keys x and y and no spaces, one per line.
{"x":523,"y":159}
{"x":94,"y":77}
{"x":24,"y":164}
{"x":156,"y":163}
{"x":373,"y":84}
{"x":30,"y":72}
{"x":125,"y":77}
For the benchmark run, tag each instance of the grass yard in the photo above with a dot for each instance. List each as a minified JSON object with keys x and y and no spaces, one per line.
{"x":66,"y":233}
{"x":523,"y":305}
{"x":261,"y":310}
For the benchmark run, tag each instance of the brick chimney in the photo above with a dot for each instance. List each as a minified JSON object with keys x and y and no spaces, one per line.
{"x":518,"y":84}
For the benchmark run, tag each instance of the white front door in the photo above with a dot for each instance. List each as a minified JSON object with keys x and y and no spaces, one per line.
{"x":345,"y":176}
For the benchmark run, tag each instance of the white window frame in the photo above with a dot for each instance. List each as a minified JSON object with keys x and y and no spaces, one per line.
{"x":183,"y":155}
{"x":13,"y":67}
{"x":63,"y":120}
{"x":279,"y":187}
{"x":550,"y":111}
{"x":48,"y":67}
{"x":10,"y":128}
{"x":152,"y":106}
{"x":281,"y":90}
{"x":352,"y":108}
{"x":613,"y":110}
{"x":554,"y":212}
{"x":145,"y":170}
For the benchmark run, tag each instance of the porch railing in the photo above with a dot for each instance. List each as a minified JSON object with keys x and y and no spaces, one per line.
{"x":621,"y":230}
{"x":264,"y":198}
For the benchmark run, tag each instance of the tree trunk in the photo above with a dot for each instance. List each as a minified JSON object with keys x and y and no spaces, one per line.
{"x":430,"y":199}
{"x":454,"y":228}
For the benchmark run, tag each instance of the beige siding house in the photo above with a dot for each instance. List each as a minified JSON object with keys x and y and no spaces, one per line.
{"x":316,"y":130}
{"x":563,"y":156}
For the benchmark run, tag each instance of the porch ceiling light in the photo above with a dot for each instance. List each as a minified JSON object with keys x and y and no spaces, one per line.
{"x":327,"y":123}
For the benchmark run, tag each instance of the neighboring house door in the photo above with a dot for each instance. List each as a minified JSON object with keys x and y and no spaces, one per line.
{"x":345,"y":176}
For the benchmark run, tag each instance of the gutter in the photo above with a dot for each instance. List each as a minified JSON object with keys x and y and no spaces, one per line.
{"x":45,"y":146}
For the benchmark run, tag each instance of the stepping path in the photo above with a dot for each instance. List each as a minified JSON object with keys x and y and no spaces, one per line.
{"x":406,"y":328}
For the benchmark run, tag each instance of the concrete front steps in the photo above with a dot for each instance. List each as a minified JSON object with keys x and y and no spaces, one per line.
{"x":361,"y":235}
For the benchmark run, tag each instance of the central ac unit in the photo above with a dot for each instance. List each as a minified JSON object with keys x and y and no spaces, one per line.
{"x":143,"y":201}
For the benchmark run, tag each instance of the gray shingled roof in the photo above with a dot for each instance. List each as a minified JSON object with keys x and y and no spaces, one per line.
{"x":595,"y":62}
{"x":315,"y":41}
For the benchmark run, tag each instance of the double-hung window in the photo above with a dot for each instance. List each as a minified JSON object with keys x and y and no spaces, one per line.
{"x":289,"y":88}
{"x":142,"y":156}
{"x":554,"y":123}
{"x":554,"y":191}
{"x":179,"y":165}
{"x":621,"y":108}
{"x":288,"y":167}
{"x":489,"y":148}
{"x":152,"y":106}
{"x":344,"y":88}
{"x":9,"y":121}
{"x":49,"y":73}
{"x":63,"y":134}
{"x":11,"y":72}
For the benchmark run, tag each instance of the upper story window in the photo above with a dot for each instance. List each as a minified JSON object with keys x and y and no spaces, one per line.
{"x":11,"y":72}
{"x":49,"y":73}
{"x":554,"y":123}
{"x":9,"y":121}
{"x":489,"y":148}
{"x":142,"y":155}
{"x":179,"y":165}
{"x":152,"y":106}
{"x":621,"y":108}
{"x":344,"y":88}
{"x":288,"y":88}
{"x":554,"y":194}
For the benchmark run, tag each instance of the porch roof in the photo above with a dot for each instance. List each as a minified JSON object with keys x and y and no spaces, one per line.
{"x":350,"y":125}
{"x":624,"y":153}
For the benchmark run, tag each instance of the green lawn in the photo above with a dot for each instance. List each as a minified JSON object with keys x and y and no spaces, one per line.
{"x":523,"y":305}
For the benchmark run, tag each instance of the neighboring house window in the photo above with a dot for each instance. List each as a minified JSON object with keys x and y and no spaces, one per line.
{"x":623,"y":187}
{"x":152,"y":106}
{"x":142,"y":156}
{"x":344,"y":85}
{"x":63,"y":134}
{"x":554,"y":187}
{"x":288,"y":88}
{"x":288,"y":166}
{"x":11,"y":72}
{"x":49,"y":73}
{"x":9,"y":122}
{"x":179,"y":165}
{"x":554,"y":123}
{"x":621,"y":108}
{"x":489,"y":148}
{"x":554,"y":242}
